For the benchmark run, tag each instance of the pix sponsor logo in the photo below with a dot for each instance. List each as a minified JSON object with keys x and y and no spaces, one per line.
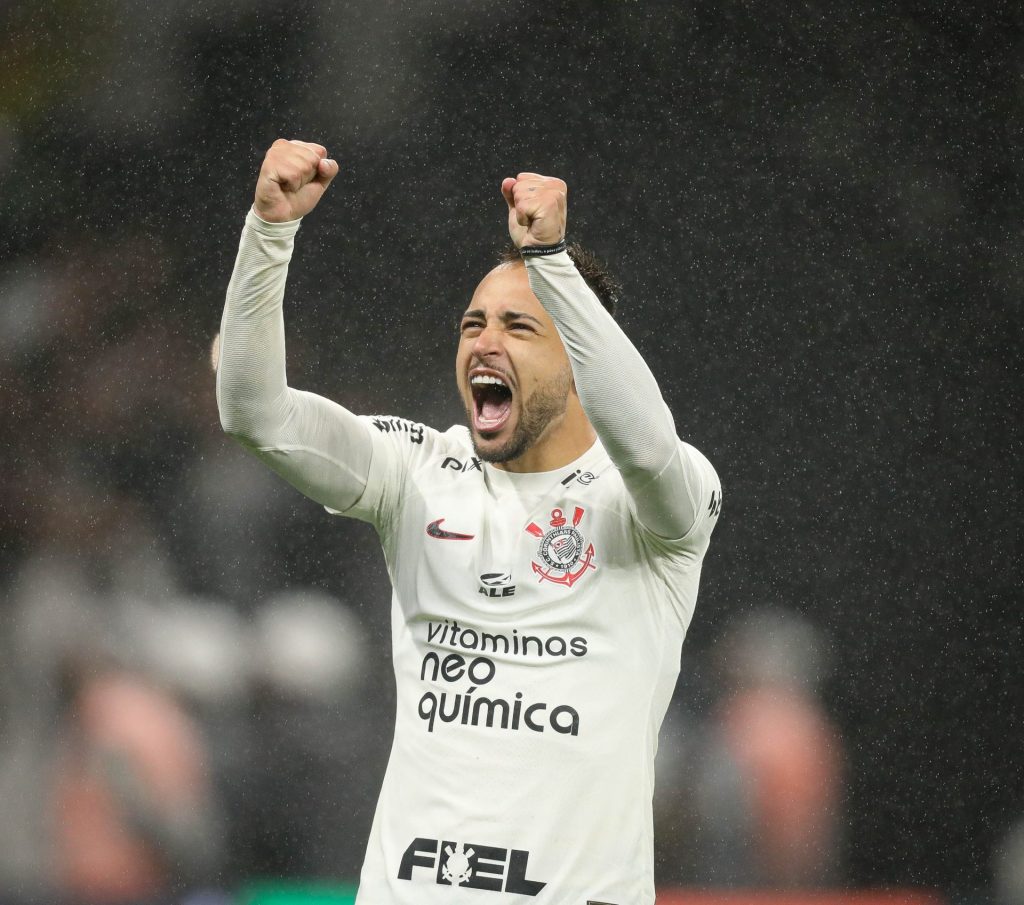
{"x":496,"y":584}
{"x":470,"y":866}
{"x":474,"y":464}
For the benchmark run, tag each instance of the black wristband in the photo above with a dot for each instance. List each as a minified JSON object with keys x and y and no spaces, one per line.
{"x":531,"y":251}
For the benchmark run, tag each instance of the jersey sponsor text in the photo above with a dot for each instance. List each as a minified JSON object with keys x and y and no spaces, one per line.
{"x":472,"y":866}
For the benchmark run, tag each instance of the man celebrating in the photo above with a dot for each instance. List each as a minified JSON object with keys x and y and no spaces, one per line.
{"x":545,"y":562}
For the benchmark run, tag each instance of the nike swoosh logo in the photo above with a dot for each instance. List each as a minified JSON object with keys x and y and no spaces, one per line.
{"x":434,"y":529}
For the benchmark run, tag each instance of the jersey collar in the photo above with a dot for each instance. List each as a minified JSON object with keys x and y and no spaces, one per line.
{"x":593,"y":460}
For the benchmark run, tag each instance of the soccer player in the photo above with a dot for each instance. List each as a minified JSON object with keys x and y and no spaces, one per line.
{"x":545,"y":562}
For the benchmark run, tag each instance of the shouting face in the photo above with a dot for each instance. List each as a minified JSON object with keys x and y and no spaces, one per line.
{"x":513,"y":374}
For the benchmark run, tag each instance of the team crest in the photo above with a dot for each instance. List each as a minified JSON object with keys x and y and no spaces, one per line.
{"x":564,"y":554}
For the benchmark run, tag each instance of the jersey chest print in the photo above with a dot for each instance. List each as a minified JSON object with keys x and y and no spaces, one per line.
{"x":564,"y":554}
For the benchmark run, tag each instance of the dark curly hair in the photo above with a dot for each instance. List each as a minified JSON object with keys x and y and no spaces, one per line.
{"x":593,"y":270}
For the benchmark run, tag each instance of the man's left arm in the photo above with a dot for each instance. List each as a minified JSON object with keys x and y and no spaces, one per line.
{"x":672,"y":485}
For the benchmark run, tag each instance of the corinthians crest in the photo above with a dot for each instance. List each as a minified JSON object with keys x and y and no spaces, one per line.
{"x":561,"y":549}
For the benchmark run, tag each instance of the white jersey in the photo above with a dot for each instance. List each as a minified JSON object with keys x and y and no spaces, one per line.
{"x":537,"y":623}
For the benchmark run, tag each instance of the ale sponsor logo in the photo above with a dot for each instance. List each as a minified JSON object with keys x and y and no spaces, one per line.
{"x":496,"y":584}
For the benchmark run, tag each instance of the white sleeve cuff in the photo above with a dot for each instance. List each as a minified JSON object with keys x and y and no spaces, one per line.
{"x":273,"y":230}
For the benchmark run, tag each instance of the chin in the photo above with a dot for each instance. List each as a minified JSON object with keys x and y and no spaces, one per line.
{"x":505,"y":446}
{"x":490,"y":449}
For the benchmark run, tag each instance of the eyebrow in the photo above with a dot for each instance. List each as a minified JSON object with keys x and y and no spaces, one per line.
{"x":506,"y":317}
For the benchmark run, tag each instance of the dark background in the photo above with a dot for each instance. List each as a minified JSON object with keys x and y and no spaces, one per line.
{"x":813,"y":208}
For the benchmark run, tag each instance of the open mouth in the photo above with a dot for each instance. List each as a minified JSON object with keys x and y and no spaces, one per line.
{"x":492,"y":402}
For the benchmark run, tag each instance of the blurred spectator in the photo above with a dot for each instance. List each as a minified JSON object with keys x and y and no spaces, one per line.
{"x":1008,"y":867}
{"x":762,"y":775}
{"x":103,"y":782}
{"x":54,"y":608}
{"x":314,"y":768}
{"x":228,"y":515}
{"x":134,"y":818}
{"x":199,"y":647}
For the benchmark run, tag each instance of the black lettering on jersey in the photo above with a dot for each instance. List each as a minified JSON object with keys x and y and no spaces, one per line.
{"x":582,"y":477}
{"x":468,"y":710}
{"x":470,"y":865}
{"x":414,"y":856}
{"x":399,"y":426}
{"x":517,"y":881}
{"x":462,"y":867}
{"x":454,"y":666}
{"x":474,"y":464}
{"x":715,"y":506}
{"x":496,"y":584}
{"x":510,"y":591}
{"x":490,"y":868}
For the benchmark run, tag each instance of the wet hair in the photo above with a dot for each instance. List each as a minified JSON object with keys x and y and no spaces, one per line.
{"x":593,"y":270}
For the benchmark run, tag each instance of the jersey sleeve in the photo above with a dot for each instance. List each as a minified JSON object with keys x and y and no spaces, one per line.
{"x":398,"y":447}
{"x":317,"y":445}
{"x":704,"y":492}
{"x":668,"y":481}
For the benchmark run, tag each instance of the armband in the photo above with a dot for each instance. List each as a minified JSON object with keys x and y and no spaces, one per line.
{"x":531,"y":251}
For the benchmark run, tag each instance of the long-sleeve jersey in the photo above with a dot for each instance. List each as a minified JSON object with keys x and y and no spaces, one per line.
{"x":537,"y":618}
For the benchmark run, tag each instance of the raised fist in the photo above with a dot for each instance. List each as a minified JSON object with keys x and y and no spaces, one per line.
{"x":293,"y":178}
{"x":536,"y":209}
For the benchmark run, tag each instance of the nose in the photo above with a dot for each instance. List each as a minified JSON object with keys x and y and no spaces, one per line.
{"x":488,"y":342}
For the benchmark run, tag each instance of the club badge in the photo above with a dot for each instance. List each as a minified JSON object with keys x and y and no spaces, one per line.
{"x":564,"y":554}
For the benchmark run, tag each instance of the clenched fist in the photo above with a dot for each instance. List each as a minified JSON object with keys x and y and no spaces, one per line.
{"x":536,"y":209}
{"x":293,"y":179}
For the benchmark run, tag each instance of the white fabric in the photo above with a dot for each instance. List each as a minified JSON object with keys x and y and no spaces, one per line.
{"x":548,"y":605}
{"x":314,"y":443}
{"x":620,"y":396}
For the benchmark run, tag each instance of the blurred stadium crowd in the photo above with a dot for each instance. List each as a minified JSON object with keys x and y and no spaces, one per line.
{"x":194,"y":678}
{"x":180,"y":711}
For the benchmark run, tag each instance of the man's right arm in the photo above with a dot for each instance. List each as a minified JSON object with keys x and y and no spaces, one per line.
{"x":315,"y":444}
